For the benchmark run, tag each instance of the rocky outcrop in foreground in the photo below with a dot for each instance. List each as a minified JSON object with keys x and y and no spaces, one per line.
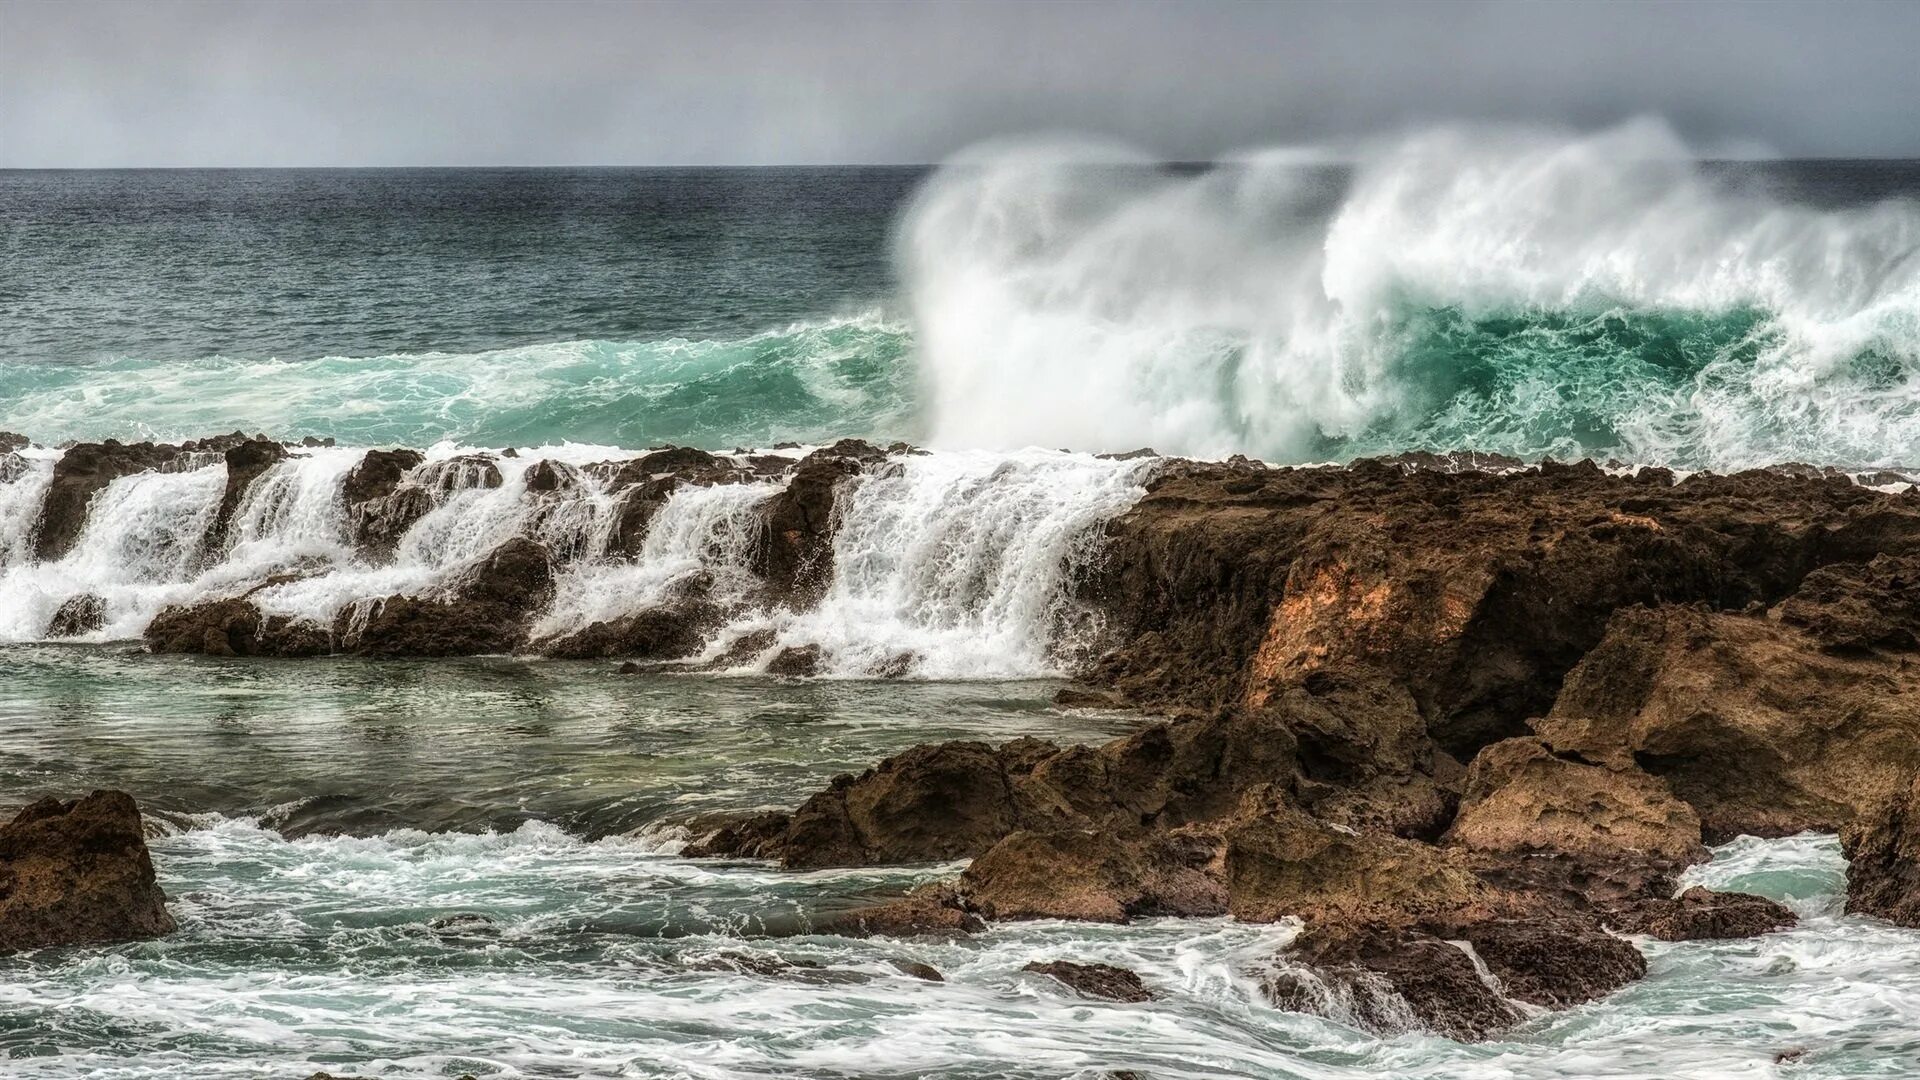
{"x":76,"y":873}
{"x":1468,"y":728}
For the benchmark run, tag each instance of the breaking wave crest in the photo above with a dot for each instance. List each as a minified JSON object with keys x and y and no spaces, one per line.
{"x":1505,"y":291}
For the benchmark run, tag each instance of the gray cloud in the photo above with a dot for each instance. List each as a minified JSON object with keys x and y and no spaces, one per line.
{"x":354,"y":82}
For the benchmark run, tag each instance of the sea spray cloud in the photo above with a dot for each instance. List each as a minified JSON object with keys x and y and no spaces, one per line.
{"x":1504,"y":289}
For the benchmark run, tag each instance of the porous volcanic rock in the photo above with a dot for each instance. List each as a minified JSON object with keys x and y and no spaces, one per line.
{"x":80,"y":614}
{"x":1387,"y":978}
{"x":1521,"y":798}
{"x":1103,"y":981}
{"x":486,"y":609}
{"x":797,"y":560}
{"x":1229,"y":582}
{"x":245,"y":464}
{"x":80,"y":473}
{"x":78,"y":872}
{"x":1703,"y":914}
{"x":1745,"y":718}
{"x":1883,"y":858}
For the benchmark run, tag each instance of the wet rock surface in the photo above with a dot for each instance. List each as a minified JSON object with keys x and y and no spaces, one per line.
{"x":1102,"y":981}
{"x":1469,"y":728}
{"x":78,"y":872}
{"x":1883,"y":858}
{"x":80,"y":474}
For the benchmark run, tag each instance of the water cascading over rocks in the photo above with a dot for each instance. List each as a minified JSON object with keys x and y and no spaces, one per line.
{"x":849,"y":559}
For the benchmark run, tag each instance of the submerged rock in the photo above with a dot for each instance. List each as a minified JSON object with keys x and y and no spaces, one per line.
{"x":1702,"y":914}
{"x":77,"y":615}
{"x":1102,"y":981}
{"x":1387,"y":979}
{"x":78,"y":873}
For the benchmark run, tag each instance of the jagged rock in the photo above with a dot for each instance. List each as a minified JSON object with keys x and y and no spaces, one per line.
{"x":1856,"y":607}
{"x":1095,"y":980}
{"x":1390,"y":977}
{"x":1552,"y":962}
{"x":753,"y":835}
{"x":1079,"y":697}
{"x":1096,"y":877}
{"x":78,"y":476}
{"x":78,"y":872}
{"x":1229,"y":582}
{"x":932,"y":910}
{"x":924,"y":972}
{"x":1745,"y":718}
{"x":11,"y":441}
{"x":677,"y":627}
{"x":380,"y":506}
{"x":796,"y":662}
{"x":660,"y":633}
{"x":1883,"y":858}
{"x":245,"y":463}
{"x":930,"y":803}
{"x":1387,"y":979}
{"x":231,"y":627}
{"x":1701,"y":914}
{"x":797,"y":560}
{"x":77,"y":615}
{"x":1521,"y":798}
{"x":549,"y":475}
{"x":486,"y":610}
{"x":1281,"y":863}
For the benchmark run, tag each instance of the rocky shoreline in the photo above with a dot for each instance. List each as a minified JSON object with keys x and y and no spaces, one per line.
{"x":1467,"y":720}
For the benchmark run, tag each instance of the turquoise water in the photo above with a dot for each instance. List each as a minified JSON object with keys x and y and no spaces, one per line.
{"x":1719,"y":318}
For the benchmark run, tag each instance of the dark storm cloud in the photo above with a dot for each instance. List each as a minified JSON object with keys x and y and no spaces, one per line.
{"x":554,"y":81}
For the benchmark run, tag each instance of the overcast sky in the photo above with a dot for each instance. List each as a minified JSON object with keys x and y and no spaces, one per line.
{"x":445,"y":82}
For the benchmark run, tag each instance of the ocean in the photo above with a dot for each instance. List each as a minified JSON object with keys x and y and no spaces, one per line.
{"x":426,"y":868}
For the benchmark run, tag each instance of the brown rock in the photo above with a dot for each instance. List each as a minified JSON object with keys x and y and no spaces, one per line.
{"x":932,"y":910}
{"x":486,"y":610}
{"x":246,"y":463}
{"x":1229,"y":582}
{"x":78,"y":476}
{"x":1857,"y":607}
{"x":77,"y":615}
{"x":1282,"y":863}
{"x":1701,"y":914}
{"x":1095,"y":980}
{"x":797,"y":560}
{"x":1555,"y":963}
{"x":1748,"y":720}
{"x":1387,"y":980}
{"x":1883,"y":858}
{"x":1096,"y":877}
{"x":381,"y":506}
{"x":795,"y":662}
{"x":77,"y":873}
{"x":1521,"y":798}
{"x":930,"y":803}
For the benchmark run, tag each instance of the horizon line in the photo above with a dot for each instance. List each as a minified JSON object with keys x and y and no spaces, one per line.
{"x":690,"y":166}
